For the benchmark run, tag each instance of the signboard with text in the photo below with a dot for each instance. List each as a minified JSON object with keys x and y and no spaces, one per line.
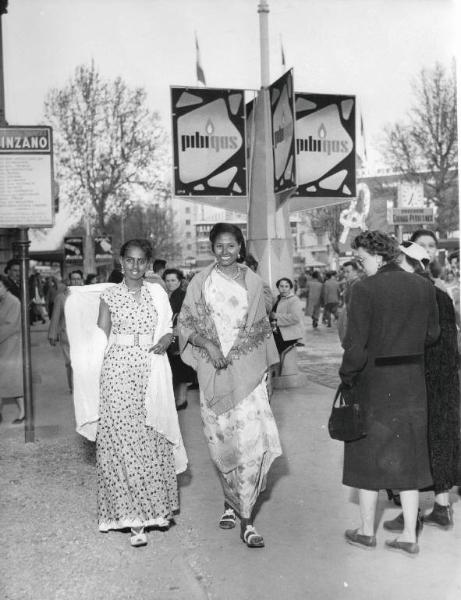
{"x":283,"y":132}
{"x":325,"y":145}
{"x":103,"y":247}
{"x":73,"y":249}
{"x":26,"y":177}
{"x":411,"y":216}
{"x":209,"y":156}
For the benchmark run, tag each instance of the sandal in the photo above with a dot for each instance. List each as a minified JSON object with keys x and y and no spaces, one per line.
{"x":138,"y":538}
{"x":227,"y":521}
{"x":251,"y":537}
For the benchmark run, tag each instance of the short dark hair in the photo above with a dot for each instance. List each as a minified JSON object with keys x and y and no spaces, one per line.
{"x":142,"y":244}
{"x":220,"y":228}
{"x":6,"y":282}
{"x":290,"y":283}
{"x":420,"y":232}
{"x":377,"y":242}
{"x":116,"y":276}
{"x":315,"y":275}
{"x":158,"y":265}
{"x":179,"y":274}
{"x":11,"y":263}
{"x":351,"y":263}
{"x":76,"y":272}
{"x":90,"y":277}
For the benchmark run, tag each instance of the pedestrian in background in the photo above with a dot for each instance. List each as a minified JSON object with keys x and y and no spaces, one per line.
{"x":287,"y":316}
{"x":182,"y":373}
{"x":13,"y":272}
{"x":226,"y":336}
{"x":37,"y":299}
{"x":352,"y":274}
{"x":57,"y":331}
{"x":392,"y":316}
{"x":443,"y":395}
{"x":91,"y":278}
{"x":330,"y":298}
{"x":11,"y":379}
{"x":314,"y":298}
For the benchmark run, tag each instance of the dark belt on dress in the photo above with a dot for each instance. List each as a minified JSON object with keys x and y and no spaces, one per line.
{"x":412,"y":359}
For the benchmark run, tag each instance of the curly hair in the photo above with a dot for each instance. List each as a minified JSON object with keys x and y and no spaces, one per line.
{"x":220,"y":228}
{"x":377,"y":242}
{"x":142,"y":244}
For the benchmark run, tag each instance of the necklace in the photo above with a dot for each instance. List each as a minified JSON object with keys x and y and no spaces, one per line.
{"x":235,"y":276}
{"x":134,"y":291}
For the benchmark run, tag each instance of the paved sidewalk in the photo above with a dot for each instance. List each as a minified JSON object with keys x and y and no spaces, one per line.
{"x":52,"y":549}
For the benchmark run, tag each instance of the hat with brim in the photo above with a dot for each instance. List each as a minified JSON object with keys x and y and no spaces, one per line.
{"x":416,"y":252}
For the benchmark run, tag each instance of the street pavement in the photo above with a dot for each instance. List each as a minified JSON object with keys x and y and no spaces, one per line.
{"x":52,"y":550}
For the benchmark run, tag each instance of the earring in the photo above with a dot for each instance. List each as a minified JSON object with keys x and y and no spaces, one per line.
{"x":122,"y":269}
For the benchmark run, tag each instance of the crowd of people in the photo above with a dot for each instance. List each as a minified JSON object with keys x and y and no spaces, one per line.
{"x":135,"y":344}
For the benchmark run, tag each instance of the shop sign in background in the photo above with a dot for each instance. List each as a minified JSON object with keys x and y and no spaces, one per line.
{"x":208,"y":142}
{"x":103,"y":247}
{"x":283,"y":132}
{"x":73,"y":249}
{"x":325,"y":145}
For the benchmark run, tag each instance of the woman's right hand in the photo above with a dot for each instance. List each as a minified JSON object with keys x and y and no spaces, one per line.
{"x":217,"y":357}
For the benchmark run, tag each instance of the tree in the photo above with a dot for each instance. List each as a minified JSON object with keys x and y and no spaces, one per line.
{"x":425,"y":146}
{"x":108,"y":145}
{"x":153,"y":222}
{"x":327,"y":219}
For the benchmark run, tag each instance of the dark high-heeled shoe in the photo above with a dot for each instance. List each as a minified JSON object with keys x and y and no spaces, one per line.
{"x":395,"y":498}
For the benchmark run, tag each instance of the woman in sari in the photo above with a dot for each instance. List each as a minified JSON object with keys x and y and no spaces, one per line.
{"x":225,"y":335}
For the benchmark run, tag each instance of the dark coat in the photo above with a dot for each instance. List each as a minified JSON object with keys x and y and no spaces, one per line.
{"x":392,"y":316}
{"x":443,"y":399}
{"x":181,"y":372}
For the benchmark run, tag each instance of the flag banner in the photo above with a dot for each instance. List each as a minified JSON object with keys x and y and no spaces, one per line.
{"x":103,"y":247}
{"x":198,"y":64}
{"x":209,"y":156}
{"x":283,"y":132}
{"x":73,"y":249}
{"x":325,"y":145}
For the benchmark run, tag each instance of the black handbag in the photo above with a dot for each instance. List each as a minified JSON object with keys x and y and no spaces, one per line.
{"x":346,"y":419}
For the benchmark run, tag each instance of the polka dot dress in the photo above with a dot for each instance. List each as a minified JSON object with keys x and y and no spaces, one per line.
{"x":136,"y":469}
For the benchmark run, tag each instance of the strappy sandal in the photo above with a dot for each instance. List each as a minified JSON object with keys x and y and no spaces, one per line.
{"x":138,"y":538}
{"x":251,"y":537}
{"x":227,"y":521}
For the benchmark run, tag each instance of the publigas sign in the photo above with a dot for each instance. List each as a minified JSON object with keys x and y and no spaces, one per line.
{"x":208,"y":142}
{"x":283,"y":132}
{"x":325,"y":145}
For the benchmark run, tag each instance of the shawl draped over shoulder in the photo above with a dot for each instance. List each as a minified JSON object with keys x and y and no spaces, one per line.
{"x":88,"y":345}
{"x":252,"y":353}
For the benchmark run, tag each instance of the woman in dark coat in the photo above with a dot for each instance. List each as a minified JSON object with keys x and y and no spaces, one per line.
{"x":392,"y":316}
{"x":182,"y":373}
{"x":442,"y":385}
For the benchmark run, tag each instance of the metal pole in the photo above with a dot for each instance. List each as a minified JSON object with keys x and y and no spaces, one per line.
{"x":23,"y":251}
{"x":263,"y":11}
{"x":3,"y":11}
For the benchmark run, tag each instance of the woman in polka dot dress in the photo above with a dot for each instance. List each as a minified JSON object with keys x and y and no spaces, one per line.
{"x":137,"y":485}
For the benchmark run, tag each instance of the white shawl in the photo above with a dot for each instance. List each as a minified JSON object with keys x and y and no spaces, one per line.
{"x":88,"y":344}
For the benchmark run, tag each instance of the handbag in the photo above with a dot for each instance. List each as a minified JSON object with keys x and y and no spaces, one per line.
{"x":346,"y":421}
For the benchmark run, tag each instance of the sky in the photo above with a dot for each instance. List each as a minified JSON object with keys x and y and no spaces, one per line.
{"x":370,"y":48}
{"x":373,"y":49}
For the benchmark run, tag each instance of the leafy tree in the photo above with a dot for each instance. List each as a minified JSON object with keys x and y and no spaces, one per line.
{"x":425,"y":146}
{"x":153,"y":222}
{"x":326,"y":219}
{"x":109,"y":146}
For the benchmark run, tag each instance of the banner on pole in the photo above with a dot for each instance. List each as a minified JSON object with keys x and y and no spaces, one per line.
{"x":73,"y":249}
{"x":325,"y":145}
{"x":26,"y":177}
{"x":283,"y":132}
{"x":209,"y":156}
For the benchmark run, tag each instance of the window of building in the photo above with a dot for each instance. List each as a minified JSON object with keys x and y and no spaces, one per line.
{"x":188,"y":234}
{"x":187,"y":221}
{"x":188,"y":209}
